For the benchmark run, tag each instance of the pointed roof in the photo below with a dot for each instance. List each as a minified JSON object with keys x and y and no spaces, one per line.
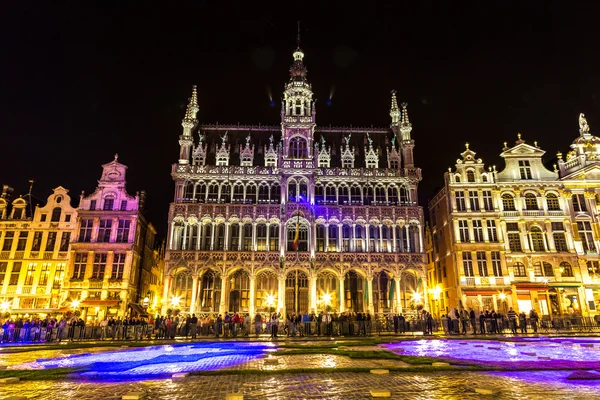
{"x":298,"y":70}
{"x":192,"y":108}
{"x":394,"y":110}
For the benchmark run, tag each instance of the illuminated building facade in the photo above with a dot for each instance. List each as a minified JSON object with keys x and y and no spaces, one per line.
{"x":525,"y":237}
{"x":295,"y":217}
{"x":107,"y":252}
{"x":34,"y":252}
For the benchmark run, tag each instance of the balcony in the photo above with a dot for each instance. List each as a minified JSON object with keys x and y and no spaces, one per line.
{"x":96,"y":284}
{"x":48,"y":255}
{"x":5,"y":255}
{"x":26,"y":289}
{"x":19,"y":255}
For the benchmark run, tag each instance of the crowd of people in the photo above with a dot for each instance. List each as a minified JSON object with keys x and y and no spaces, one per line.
{"x":489,"y":321}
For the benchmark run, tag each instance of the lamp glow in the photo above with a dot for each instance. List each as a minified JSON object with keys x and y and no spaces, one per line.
{"x":75,"y":303}
{"x":416,"y":296}
{"x":4,"y":306}
{"x":502,"y":296}
{"x":327,"y":298}
{"x":270,"y":300}
{"x":175,"y":301}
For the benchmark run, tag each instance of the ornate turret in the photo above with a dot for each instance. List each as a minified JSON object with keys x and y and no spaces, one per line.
{"x":188,"y":123}
{"x":222,"y":156}
{"x":393,"y":156}
{"x":394,"y":110}
{"x":323,"y":154}
{"x":371,"y":156}
{"x":298,"y":111}
{"x":199,"y":152}
{"x":585,"y":150}
{"x":247,"y":153}
{"x":271,"y":156}
{"x":407,"y":143}
{"x":347,"y":153}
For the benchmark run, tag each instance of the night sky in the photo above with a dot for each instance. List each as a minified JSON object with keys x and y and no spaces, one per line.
{"x":80,"y":83}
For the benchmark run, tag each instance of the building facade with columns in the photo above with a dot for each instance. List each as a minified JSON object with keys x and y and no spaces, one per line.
{"x":295,"y":217}
{"x":524,"y":237}
{"x":107,"y":251}
{"x":34,"y":252}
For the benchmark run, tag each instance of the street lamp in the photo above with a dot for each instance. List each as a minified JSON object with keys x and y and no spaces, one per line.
{"x":75,"y":303}
{"x":5,"y":306}
{"x":327,"y":299}
{"x":175,"y":301}
{"x":416,"y":297}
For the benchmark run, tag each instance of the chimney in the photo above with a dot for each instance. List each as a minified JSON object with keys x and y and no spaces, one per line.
{"x":6,"y":192}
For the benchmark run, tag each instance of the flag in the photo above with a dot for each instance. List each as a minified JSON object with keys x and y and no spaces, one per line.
{"x":419,"y":283}
{"x":297,"y":237}
{"x":392,"y":287}
{"x":366,"y":291}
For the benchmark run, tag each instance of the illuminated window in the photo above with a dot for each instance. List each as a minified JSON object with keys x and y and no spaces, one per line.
{"x":519,"y":269}
{"x":496,"y":264}
{"x":508,"y":202}
{"x":525,"y":169}
{"x":85,"y":230}
{"x":56,"y":214}
{"x":579,"y":203}
{"x":108,"y":204}
{"x":463,"y":229}
{"x":460,"y":201}
{"x":470,"y":176}
{"x":118,"y":266}
{"x":298,"y":148}
{"x":531,"y":202}
{"x":104,"y":230}
{"x":467,"y":264}
{"x":566,"y":270}
{"x":30,"y":274}
{"x":537,"y":239}
{"x":79,"y":266}
{"x":482,"y":263}
{"x":587,"y":236}
{"x":474,"y":200}
{"x":552,"y":202}
{"x":492,"y":232}
{"x":51,"y":242}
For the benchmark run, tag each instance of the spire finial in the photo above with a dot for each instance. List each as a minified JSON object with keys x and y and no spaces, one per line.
{"x":405,"y":120}
{"x":298,"y":37}
{"x":519,"y":135}
{"x":467,"y":145}
{"x":116,"y":157}
{"x":192,"y":107}
{"x":394,"y":110}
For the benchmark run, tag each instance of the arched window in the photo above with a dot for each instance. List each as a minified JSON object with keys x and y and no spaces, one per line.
{"x":266,"y":290}
{"x":343,"y":195}
{"x":404,"y":197}
{"x":319,"y":194}
{"x":225,"y":193}
{"x":247,"y":237}
{"x":368,"y":195}
{"x":548,"y":269}
{"x":56,"y":214}
{"x":394,"y":164}
{"x":330,"y":194}
{"x":508,"y":202}
{"x":239,"y":291}
{"x":235,"y":237}
{"x":470,"y":176}
{"x":380,"y":194}
{"x":381,"y":290}
{"x":201,"y":192}
{"x":238,"y":193}
{"x":360,"y":236}
{"x":457,"y":178}
{"x":213,"y":193}
{"x":320,"y":244}
{"x":250,"y":193}
{"x":393,"y":195}
{"x":261,"y":237}
{"x":302,"y":191}
{"x":210,"y":299}
{"x":399,"y":239}
{"x":531,"y":201}
{"x":182,"y":288}
{"x":346,"y":237}
{"x":298,"y":148}
{"x":537,"y":239}
{"x":275,"y":193}
{"x":552,"y":202}
{"x":302,"y":231}
{"x":220,"y":239}
{"x":566,"y":270}
{"x":188,"y":190}
{"x":292,"y":190}
{"x":274,"y":237}
{"x":385,"y":235}
{"x":263,"y":193}
{"x":205,"y":232}
{"x":373,"y":237}
{"x":519,"y":269}
{"x":333,"y":237}
{"x":484,"y":178}
{"x":355,"y":197}
{"x":354,"y":287}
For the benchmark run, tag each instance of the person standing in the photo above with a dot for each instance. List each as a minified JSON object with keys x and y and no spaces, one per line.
{"x":533,"y":320}
{"x":274,"y":326}
{"x":257,"y":324}
{"x":473,"y":321}
{"x":523,"y":322}
{"x":218,"y":325}
{"x":193,"y":326}
{"x":512,"y":320}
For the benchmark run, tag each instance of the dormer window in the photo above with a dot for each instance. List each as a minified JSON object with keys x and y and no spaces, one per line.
{"x":298,"y":108}
{"x":56,"y":214}
{"x":470,"y":176}
{"x":394,"y":164}
{"x":525,"y":169}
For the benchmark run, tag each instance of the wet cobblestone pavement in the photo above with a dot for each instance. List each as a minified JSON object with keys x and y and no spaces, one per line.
{"x":447,"y":385}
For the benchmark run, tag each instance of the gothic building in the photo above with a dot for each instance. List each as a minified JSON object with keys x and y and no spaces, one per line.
{"x":295,"y":217}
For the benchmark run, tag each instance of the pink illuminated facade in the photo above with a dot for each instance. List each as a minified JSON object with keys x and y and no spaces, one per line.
{"x":295,"y":217}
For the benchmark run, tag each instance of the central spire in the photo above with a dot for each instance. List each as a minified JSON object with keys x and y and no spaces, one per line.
{"x":298,"y":70}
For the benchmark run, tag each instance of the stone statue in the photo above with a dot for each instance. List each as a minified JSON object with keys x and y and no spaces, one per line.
{"x":271,"y":139}
{"x":583,"y":125}
{"x":394,"y":141}
{"x":224,"y":138}
{"x":322,"y":140}
{"x":370,"y":140}
{"x":200,"y":137}
{"x":347,"y":139}
{"x":248,"y":139}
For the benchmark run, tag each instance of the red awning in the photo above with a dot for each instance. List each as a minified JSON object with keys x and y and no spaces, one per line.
{"x":484,"y":292}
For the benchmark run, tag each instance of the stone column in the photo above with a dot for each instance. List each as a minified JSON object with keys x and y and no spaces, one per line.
{"x":171,"y":235}
{"x":353,"y":238}
{"x":341,"y":295}
{"x":340,"y":238}
{"x":381,"y":247}
{"x":212,"y":236}
{"x":393,"y":228}
{"x":370,"y":308}
{"x":267,"y":246}
{"x":407,"y":239}
{"x":313,"y":293}
{"x":281,"y":296}
{"x":425,"y":292}
{"x":224,"y":291}
{"x":420,"y":232}
{"x":398,"y":295}
{"x":368,"y":239}
{"x":326,"y":237}
{"x":240,"y":236}
{"x":167,"y":286}
{"x":251,"y":310}
{"x":194,"y":293}
{"x":254,"y":236}
{"x":226,"y":244}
